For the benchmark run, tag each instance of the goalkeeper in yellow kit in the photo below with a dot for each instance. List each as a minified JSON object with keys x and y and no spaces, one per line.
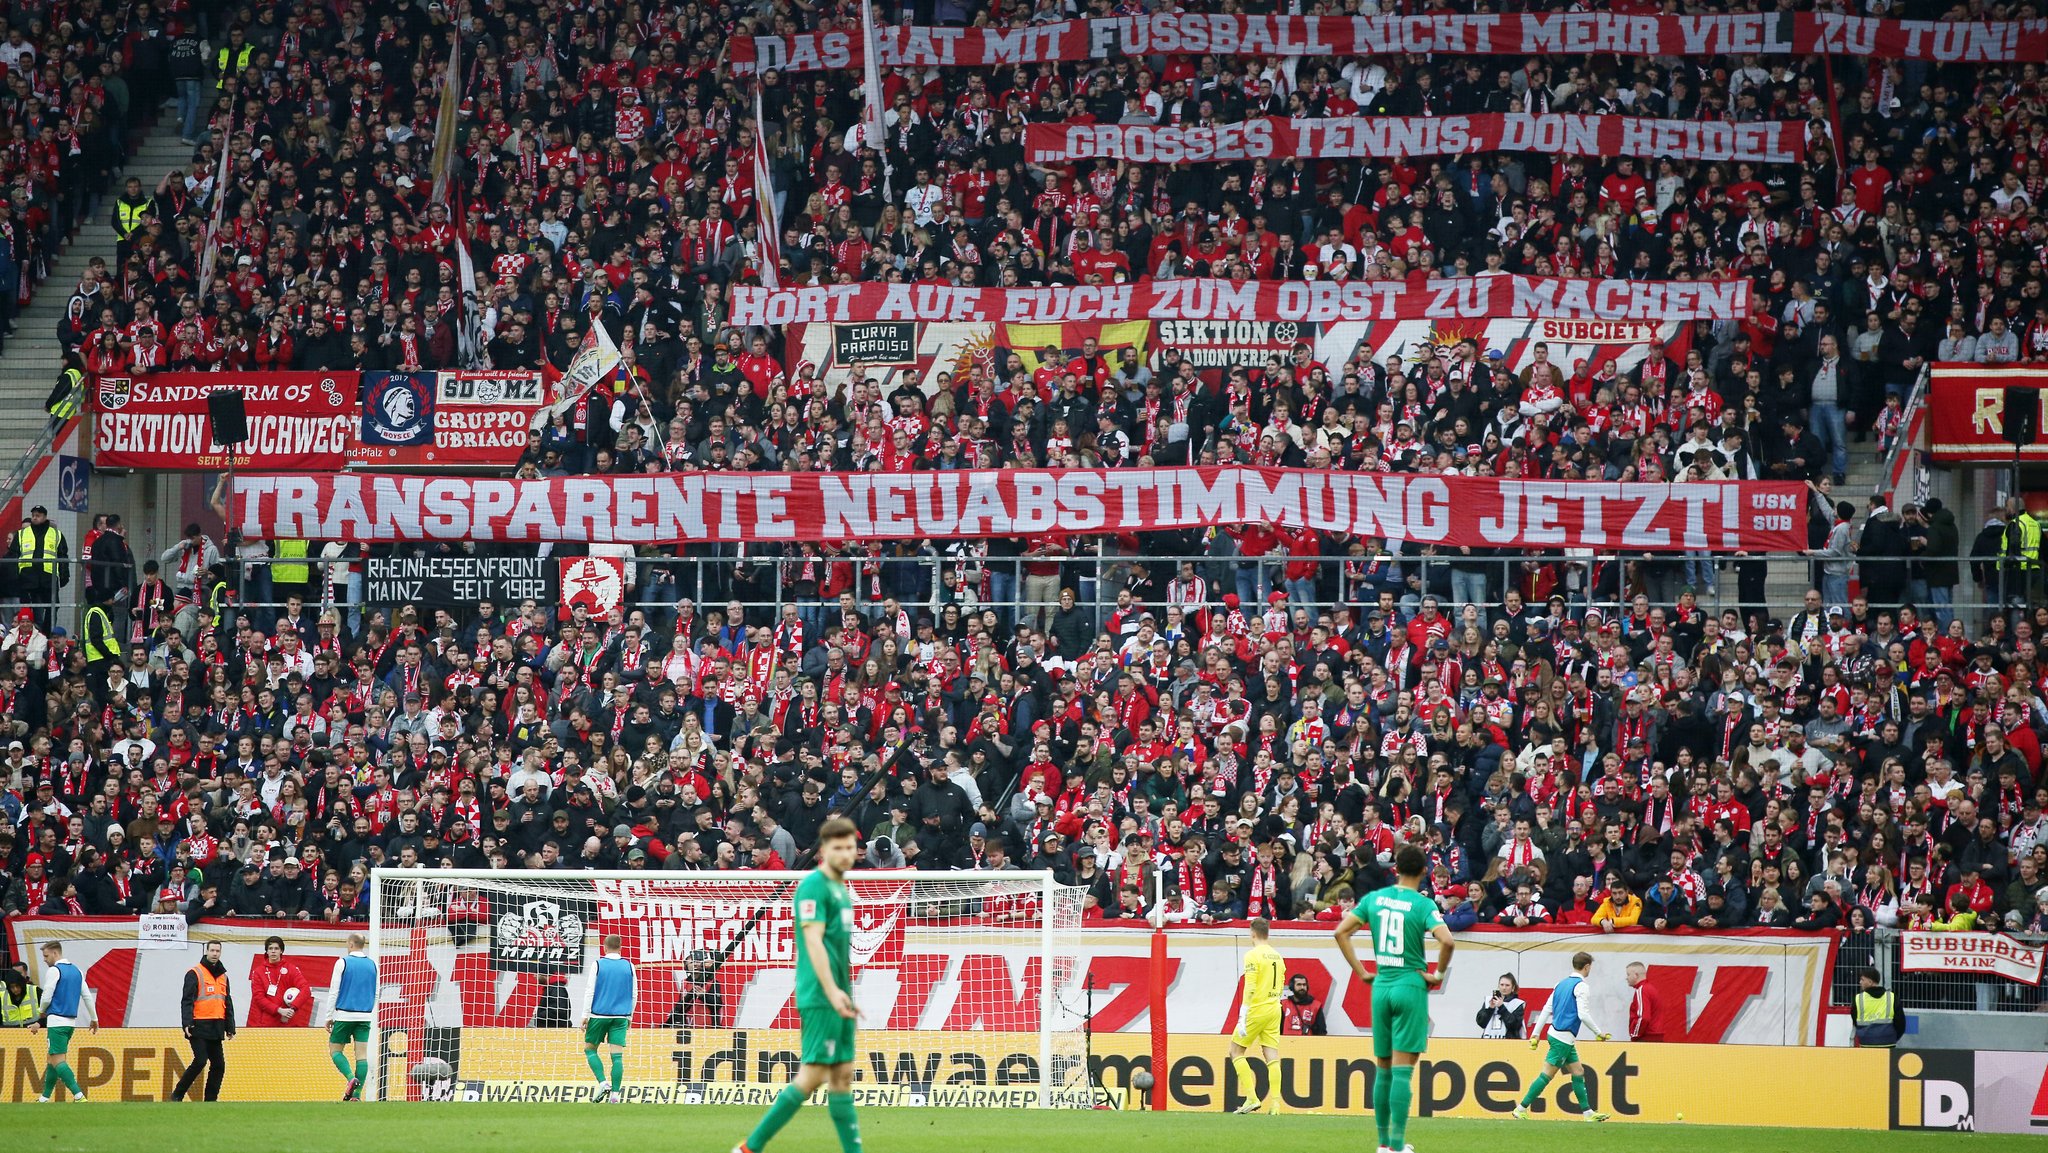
{"x":1265,"y":977}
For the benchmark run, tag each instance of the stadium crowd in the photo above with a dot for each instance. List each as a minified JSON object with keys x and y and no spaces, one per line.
{"x":1580,"y":745}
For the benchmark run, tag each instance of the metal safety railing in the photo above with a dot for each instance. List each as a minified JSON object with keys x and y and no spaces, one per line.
{"x":15,"y":482}
{"x":1879,"y":949}
{"x":1018,"y":589}
{"x":1902,"y":468}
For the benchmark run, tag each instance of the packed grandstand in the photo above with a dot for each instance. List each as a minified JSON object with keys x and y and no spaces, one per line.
{"x":1250,"y":714}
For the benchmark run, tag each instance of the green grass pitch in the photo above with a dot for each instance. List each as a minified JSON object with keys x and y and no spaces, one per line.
{"x":516,"y":1128}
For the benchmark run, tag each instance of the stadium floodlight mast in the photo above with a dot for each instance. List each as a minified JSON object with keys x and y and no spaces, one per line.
{"x":971,"y":983}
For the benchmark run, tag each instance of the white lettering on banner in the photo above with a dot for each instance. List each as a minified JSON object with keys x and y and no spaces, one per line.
{"x":1783,"y":1007}
{"x":1173,"y":33}
{"x":667,"y":927}
{"x":1577,"y":33}
{"x":1993,"y":953}
{"x":1499,"y":297}
{"x":518,"y":388}
{"x":480,"y":428}
{"x":1417,"y":35}
{"x":1565,"y":135}
{"x":1063,"y":303}
{"x":1513,"y":34}
{"x":1706,"y":140}
{"x":1016,"y":45}
{"x":1732,"y":34}
{"x":1201,"y":299}
{"x":1841,"y":35}
{"x":1623,"y":300}
{"x":187,"y":434}
{"x":1955,"y":43}
{"x":809,"y":53}
{"x":681,"y":507}
{"x":1412,"y":136}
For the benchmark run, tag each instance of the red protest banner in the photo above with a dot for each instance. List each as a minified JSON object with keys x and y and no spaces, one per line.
{"x":1966,"y":411}
{"x":297,"y":420}
{"x":1278,"y":138}
{"x":1442,"y":34}
{"x":308,"y":421}
{"x":1313,"y":301}
{"x":675,"y":508}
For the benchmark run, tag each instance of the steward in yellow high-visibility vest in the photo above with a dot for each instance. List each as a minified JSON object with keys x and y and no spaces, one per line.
{"x":130,"y":208}
{"x":21,"y":1001}
{"x":102,"y":649}
{"x":67,"y":395}
{"x":2027,"y":539}
{"x":232,"y":59}
{"x":2023,"y":550}
{"x":290,"y":571}
{"x":1875,"y":1013}
{"x":39,"y":555}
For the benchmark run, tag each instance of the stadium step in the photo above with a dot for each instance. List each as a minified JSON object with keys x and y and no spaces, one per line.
{"x":1790,"y":579}
{"x":33,"y":356}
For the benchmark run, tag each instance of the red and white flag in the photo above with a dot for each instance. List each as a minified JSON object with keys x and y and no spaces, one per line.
{"x":211,"y":256}
{"x":874,"y":132}
{"x":445,"y":119}
{"x":470,"y":334}
{"x":596,"y":362}
{"x":768,"y":260}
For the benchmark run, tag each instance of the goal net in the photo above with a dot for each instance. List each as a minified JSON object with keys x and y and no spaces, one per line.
{"x":969,"y":986}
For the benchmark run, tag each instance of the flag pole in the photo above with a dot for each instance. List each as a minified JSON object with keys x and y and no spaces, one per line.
{"x":210,"y":252}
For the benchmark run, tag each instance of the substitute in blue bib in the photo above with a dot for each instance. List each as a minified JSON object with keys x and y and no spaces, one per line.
{"x":1570,"y":1014}
{"x":607,"y":1017}
{"x":352,"y":1005}
{"x":66,"y":1004}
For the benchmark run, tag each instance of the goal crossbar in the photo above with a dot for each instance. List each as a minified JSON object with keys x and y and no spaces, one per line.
{"x":765,"y":889}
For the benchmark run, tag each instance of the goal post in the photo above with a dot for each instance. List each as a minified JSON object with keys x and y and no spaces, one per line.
{"x":969,"y":984}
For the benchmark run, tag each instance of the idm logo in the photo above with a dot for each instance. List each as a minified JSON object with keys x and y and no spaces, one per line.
{"x":1931,"y":1090}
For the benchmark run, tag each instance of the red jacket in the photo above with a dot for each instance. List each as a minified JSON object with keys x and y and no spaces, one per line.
{"x":269,"y":986}
{"x":1646,"y":1014}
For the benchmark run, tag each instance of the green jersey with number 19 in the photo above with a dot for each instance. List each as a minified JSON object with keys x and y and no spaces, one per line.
{"x":1400,"y":920}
